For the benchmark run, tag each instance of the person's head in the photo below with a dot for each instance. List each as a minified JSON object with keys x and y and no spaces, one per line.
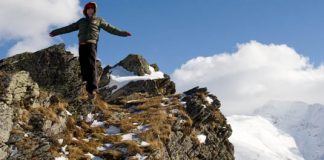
{"x":90,"y":12}
{"x":90,"y":9}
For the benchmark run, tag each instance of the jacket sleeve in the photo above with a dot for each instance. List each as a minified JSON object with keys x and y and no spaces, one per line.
{"x":70,"y":28}
{"x":111,"y":29}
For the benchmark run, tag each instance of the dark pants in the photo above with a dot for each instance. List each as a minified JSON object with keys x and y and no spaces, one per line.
{"x":87,"y":59}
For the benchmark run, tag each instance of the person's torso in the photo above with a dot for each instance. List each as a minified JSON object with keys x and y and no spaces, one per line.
{"x":89,"y":29}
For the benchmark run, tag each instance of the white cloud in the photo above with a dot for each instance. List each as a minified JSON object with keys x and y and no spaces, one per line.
{"x":74,"y":49}
{"x":28,"y":22}
{"x":254,"y":75}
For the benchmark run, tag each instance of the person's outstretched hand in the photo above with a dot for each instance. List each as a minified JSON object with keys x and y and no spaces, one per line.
{"x":51,"y":34}
{"x":128,"y":34}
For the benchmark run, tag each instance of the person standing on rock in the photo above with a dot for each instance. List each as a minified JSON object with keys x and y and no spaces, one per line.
{"x":89,"y":28}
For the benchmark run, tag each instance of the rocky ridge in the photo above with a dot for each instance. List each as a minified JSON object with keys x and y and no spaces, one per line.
{"x":45,"y":112}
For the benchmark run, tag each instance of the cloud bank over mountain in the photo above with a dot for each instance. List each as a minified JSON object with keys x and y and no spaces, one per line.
{"x":253,"y":75}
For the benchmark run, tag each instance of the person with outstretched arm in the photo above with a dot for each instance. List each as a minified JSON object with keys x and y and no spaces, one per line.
{"x":89,"y":28}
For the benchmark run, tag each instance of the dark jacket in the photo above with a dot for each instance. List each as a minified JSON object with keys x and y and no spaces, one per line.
{"x":89,"y":28}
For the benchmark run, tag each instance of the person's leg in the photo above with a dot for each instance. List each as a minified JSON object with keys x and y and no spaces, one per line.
{"x":92,"y":84}
{"x":83,"y":61}
{"x":87,"y":57}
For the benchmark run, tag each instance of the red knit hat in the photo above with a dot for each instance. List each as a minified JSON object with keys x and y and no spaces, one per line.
{"x":90,"y":5}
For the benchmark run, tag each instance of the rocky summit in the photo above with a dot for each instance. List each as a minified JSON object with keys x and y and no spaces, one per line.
{"x":45,"y":112}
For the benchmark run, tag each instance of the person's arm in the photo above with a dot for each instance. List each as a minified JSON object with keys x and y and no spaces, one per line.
{"x":70,"y":28}
{"x":113,"y":30}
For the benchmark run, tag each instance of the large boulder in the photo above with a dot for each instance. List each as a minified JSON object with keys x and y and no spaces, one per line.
{"x":135,"y":63}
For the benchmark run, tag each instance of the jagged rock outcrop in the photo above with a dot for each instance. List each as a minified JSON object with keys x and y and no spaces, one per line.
{"x":53,"y":69}
{"x":136,"y":64}
{"x":45,"y":112}
{"x":140,"y":67}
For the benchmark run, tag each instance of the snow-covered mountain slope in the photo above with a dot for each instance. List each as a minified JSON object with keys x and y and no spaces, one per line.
{"x":256,"y":138}
{"x":304,"y":122}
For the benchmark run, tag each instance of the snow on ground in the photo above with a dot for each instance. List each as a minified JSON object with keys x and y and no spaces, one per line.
{"x":104,"y":147}
{"x":60,"y":141}
{"x":89,"y":117}
{"x":201,"y":138}
{"x":163,"y":104}
{"x":74,"y":139}
{"x":129,"y":137}
{"x":120,"y":76}
{"x":63,"y":149}
{"x":93,"y":157}
{"x":108,"y":145}
{"x":143,"y":127}
{"x":256,"y":138}
{"x":139,"y":157}
{"x":61,"y":158}
{"x":174,"y":111}
{"x":113,"y":130}
{"x":101,"y":148}
{"x":209,"y":100}
{"x":184,"y":104}
{"x":86,"y":139}
{"x":96,"y":123}
{"x":144,"y":144}
{"x":68,"y":113}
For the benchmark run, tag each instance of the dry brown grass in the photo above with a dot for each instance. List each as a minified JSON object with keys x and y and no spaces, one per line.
{"x":85,"y":126}
{"x":126,"y":125}
{"x":51,"y":112}
{"x":111,"y":154}
{"x":75,"y":152}
{"x":26,"y":143}
{"x":90,"y":146}
{"x":70,"y":123}
{"x":220,"y":117}
{"x":154,"y":115}
{"x":153,"y":102}
{"x":24,"y":116}
{"x":154,"y":145}
{"x":132,"y":147}
{"x":159,"y":123}
{"x":112,"y":139}
{"x":2,"y":73}
{"x":96,"y":130}
{"x":16,"y":131}
{"x":55,"y":151}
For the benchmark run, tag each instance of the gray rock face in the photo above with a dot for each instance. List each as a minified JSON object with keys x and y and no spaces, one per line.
{"x":135,"y":63}
{"x":5,"y":128}
{"x":18,"y":87}
{"x":52,"y":68}
{"x":207,"y":121}
{"x":45,"y":113}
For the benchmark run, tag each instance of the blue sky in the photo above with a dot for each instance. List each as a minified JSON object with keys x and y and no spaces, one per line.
{"x":170,"y":32}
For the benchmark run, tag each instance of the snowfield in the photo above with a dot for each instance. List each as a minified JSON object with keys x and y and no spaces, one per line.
{"x":280,"y":131}
{"x":255,"y":138}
